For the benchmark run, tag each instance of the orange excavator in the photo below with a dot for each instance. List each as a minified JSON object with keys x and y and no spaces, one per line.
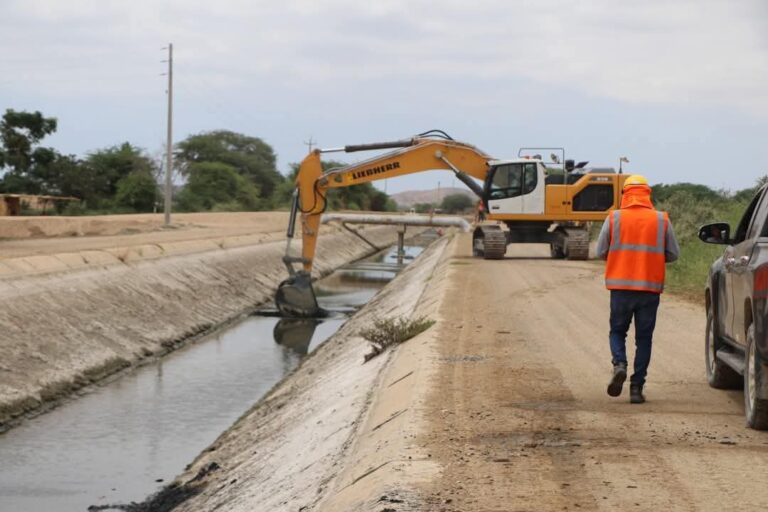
{"x":536,"y":203}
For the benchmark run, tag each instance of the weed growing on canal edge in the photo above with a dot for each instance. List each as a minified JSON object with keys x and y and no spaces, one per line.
{"x":387,"y":332}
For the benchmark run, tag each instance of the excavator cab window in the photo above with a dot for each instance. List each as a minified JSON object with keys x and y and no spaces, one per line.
{"x":512,"y":180}
{"x":530,"y":178}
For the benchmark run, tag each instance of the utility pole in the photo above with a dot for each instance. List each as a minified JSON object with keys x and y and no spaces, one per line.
{"x":309,"y":143}
{"x":169,"y":144}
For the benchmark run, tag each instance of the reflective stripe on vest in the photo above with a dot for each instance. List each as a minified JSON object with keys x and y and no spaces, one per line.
{"x":637,"y":266}
{"x":634,"y":284}
{"x":616,"y":244}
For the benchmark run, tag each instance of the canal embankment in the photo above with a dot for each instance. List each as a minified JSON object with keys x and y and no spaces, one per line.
{"x":321,"y":436}
{"x":72,"y":319}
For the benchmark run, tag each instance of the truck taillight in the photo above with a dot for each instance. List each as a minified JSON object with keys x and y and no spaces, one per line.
{"x":760,"y":289}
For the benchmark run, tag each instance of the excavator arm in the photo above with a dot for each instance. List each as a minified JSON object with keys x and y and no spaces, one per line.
{"x":425,"y":152}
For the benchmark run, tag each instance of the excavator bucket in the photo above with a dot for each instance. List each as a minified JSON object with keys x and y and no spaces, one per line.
{"x":295,"y":297}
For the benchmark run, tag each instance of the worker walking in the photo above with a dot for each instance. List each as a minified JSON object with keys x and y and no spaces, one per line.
{"x":637,"y":241}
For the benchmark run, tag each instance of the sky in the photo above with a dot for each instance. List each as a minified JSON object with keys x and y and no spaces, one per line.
{"x":679,"y":87}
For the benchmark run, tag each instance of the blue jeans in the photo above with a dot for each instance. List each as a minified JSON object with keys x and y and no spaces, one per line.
{"x":643,"y":306}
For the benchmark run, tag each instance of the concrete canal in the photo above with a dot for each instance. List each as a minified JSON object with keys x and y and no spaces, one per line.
{"x":122,"y":441}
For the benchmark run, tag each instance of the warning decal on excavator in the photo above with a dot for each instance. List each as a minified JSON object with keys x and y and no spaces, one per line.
{"x":375,"y":170}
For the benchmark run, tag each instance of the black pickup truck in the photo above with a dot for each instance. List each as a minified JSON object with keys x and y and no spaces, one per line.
{"x":737,"y":310}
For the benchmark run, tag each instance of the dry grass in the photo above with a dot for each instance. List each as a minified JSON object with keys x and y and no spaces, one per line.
{"x":388,"y":332}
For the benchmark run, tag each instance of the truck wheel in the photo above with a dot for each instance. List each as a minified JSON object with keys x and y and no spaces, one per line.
{"x":755,"y":373}
{"x":719,"y":374}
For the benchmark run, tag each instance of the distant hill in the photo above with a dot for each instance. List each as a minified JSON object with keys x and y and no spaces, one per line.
{"x":409,"y":198}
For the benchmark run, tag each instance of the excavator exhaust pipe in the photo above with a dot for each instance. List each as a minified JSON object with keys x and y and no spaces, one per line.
{"x":295,"y":298}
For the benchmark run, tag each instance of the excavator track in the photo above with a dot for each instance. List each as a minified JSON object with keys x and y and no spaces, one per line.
{"x":577,"y":244}
{"x":491,"y":244}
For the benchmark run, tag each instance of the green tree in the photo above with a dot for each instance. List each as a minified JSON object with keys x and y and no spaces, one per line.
{"x":381,"y":202}
{"x":456,"y":203}
{"x":357,"y":197}
{"x":250,"y":157}
{"x":661,"y":192}
{"x":78,"y":179}
{"x":217,"y":186}
{"x":423,"y":207}
{"x":23,"y":163}
{"x":748,"y":193}
{"x":137,"y":191}
{"x":97,"y":180}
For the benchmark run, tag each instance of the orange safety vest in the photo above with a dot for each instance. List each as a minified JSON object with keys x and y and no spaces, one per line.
{"x":636,"y":256}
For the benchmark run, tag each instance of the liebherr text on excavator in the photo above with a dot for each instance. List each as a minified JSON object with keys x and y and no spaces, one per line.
{"x":535,"y":203}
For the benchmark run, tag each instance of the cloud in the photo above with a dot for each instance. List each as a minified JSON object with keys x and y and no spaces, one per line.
{"x":709,"y":52}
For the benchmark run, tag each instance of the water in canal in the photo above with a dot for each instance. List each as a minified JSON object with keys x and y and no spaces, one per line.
{"x":123,"y":441}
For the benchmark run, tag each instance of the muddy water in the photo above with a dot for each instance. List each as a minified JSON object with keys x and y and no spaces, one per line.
{"x":123,"y":441}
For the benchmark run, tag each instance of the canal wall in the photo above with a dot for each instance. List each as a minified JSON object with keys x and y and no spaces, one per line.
{"x":73,"y":319}
{"x":334,"y":434}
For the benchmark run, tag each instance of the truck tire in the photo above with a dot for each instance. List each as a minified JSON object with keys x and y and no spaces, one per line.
{"x":755,"y":375}
{"x":719,"y":374}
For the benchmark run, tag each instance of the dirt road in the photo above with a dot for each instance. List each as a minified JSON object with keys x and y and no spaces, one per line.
{"x":518,"y":417}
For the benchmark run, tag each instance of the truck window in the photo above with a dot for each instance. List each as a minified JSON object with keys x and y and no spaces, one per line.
{"x":741,"y":230}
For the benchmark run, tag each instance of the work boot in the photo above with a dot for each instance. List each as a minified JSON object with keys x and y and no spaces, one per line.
{"x":636,"y":394}
{"x":617,"y":380}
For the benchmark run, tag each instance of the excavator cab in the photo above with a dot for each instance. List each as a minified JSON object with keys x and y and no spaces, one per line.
{"x":515,"y":186}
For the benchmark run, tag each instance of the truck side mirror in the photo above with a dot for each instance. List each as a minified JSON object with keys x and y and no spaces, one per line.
{"x":716,"y":233}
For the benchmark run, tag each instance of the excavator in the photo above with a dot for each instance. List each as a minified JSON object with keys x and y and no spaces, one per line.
{"x":536,"y":203}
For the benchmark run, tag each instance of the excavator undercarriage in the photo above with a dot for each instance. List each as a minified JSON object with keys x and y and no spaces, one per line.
{"x":490,"y":241}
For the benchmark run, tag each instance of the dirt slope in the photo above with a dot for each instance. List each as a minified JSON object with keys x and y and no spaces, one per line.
{"x":517,"y":417}
{"x":26,"y":236}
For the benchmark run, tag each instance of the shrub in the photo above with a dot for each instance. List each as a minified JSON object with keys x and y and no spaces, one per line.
{"x":390,"y":331}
